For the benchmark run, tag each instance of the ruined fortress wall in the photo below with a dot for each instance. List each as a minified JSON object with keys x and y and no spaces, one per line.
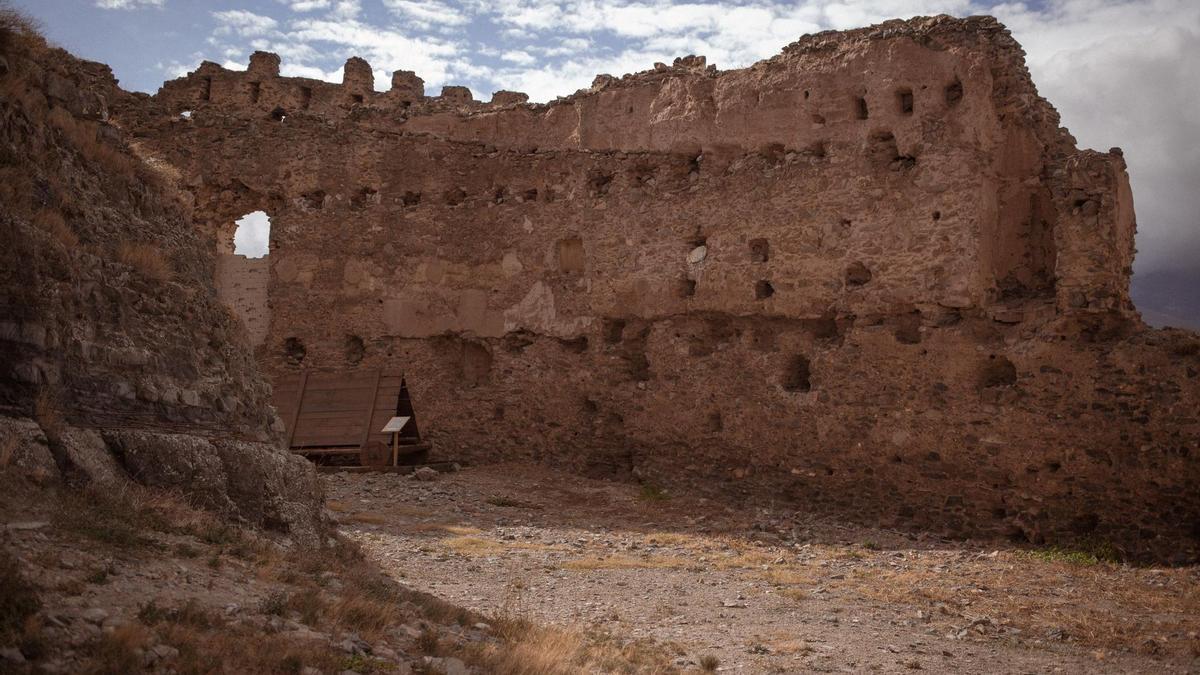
{"x":870,"y":276}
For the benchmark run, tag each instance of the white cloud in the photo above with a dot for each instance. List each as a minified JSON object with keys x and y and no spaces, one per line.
{"x":428,"y":12}
{"x":128,"y":4}
{"x":243,"y":23}
{"x":305,"y":5}
{"x":519,"y":57}
{"x":1123,"y":74}
{"x":252,"y":238}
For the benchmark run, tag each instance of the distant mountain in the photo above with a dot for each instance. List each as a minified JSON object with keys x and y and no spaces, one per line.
{"x":1169,"y":297}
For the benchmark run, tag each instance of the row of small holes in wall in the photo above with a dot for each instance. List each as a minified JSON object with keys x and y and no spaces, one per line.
{"x":353,"y":346}
{"x":905,"y":104}
{"x":857,"y":273}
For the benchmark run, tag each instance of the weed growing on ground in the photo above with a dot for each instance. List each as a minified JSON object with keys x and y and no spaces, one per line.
{"x":653,"y":493}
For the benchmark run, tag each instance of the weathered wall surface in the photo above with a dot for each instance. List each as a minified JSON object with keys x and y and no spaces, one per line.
{"x":117,"y":359}
{"x":870,"y":275}
{"x":242,"y":284}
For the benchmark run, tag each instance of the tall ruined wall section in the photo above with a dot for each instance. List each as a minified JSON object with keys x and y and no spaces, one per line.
{"x":117,"y":359}
{"x":870,"y":275}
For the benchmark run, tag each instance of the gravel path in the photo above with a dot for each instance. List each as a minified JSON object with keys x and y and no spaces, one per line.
{"x":761,"y":591}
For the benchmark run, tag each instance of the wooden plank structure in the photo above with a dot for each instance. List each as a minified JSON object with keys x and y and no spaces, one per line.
{"x":337,"y":418}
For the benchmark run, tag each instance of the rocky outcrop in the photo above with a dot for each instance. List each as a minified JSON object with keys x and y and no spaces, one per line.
{"x":117,"y":359}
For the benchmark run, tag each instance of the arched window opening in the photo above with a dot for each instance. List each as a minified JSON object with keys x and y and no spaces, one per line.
{"x":253,"y":235}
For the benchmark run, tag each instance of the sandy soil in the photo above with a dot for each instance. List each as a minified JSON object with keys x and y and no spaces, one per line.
{"x":763,"y":591}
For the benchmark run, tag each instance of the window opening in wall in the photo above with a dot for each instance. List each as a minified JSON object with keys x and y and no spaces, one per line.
{"x":760,"y":250}
{"x":255,"y":91}
{"x":278,"y":114}
{"x":954,"y":92}
{"x":252,"y":238}
{"x":763,"y":290}
{"x":305,"y":97}
{"x":357,"y":98}
{"x":860,"y":108}
{"x":206,"y":89}
{"x":798,"y":374}
{"x":904,"y":101}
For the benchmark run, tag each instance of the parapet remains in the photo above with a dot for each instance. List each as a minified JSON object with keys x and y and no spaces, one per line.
{"x":870,"y":276}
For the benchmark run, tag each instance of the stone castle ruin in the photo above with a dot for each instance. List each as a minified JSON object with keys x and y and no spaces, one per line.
{"x":870,"y":276}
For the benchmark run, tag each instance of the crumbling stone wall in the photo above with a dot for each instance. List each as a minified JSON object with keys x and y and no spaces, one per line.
{"x":870,"y":275}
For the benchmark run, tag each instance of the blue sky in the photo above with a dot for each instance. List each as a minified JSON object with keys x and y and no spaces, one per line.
{"x":1121,"y":72}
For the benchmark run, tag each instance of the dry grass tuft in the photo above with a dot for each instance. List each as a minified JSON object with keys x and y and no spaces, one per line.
{"x":83,"y":136}
{"x":363,"y":612}
{"x":625,"y":562}
{"x":146,"y":259}
{"x":529,"y":649}
{"x":120,"y":651}
{"x":47,"y":410}
{"x":52,"y":222}
{"x":16,"y":28}
{"x":8,"y":449}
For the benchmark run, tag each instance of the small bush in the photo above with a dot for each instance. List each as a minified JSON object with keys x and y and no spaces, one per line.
{"x":15,"y":27}
{"x":119,"y":652}
{"x":146,"y":259}
{"x":275,"y":603}
{"x":709,"y":663}
{"x":189,"y":613}
{"x":1086,"y":556}
{"x":653,"y":493}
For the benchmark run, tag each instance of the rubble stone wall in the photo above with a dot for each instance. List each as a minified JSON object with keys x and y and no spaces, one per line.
{"x":870,"y":275}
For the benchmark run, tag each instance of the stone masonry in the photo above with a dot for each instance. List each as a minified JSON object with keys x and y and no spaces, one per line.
{"x":869,"y":276}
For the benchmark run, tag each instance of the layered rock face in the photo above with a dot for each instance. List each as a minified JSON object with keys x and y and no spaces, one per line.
{"x":870,"y":276}
{"x":117,"y":359}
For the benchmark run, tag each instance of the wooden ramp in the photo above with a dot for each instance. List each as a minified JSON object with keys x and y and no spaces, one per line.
{"x":336,"y":418}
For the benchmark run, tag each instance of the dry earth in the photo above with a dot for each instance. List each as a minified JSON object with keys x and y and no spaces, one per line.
{"x":763,"y":590}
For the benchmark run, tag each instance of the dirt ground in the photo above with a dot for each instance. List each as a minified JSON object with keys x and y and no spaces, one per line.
{"x":763,"y":591}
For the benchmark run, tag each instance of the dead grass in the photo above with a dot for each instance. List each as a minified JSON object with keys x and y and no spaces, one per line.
{"x":625,"y":562}
{"x":365,"y":613}
{"x":52,"y":222}
{"x":16,"y":28}
{"x":8,"y":449}
{"x":423,"y":528}
{"x":478,"y":546}
{"x":16,"y":189}
{"x":47,"y":410}
{"x":1098,"y":605}
{"x":120,"y":651}
{"x":146,"y":259}
{"x":367,"y":518}
{"x":528,"y":649}
{"x":83,"y":136}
